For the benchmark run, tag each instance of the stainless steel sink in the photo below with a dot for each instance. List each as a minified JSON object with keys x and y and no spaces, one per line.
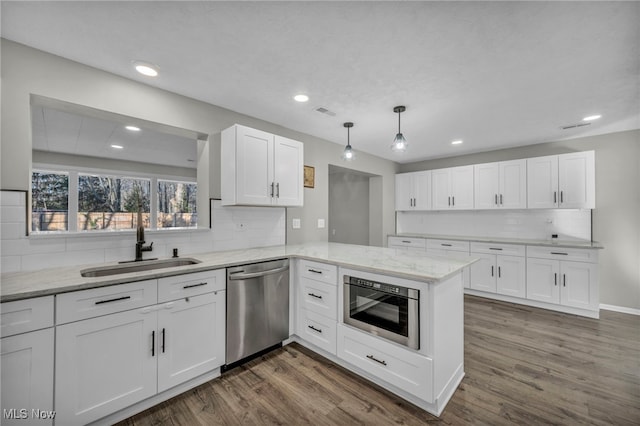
{"x":143,"y":265}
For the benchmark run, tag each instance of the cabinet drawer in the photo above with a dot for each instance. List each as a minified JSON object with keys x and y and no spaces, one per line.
{"x":317,"y":329}
{"x":448,"y":245}
{"x":84,"y":304}
{"x":319,"y":271}
{"x":395,"y":365}
{"x":26,"y":315}
{"x":492,"y":248}
{"x":402,"y":242}
{"x":561,"y":253}
{"x":179,"y":286}
{"x":318,"y":297}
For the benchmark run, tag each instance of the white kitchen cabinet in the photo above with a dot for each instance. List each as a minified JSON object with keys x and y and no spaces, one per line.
{"x":568,"y":283}
{"x":191,"y":336}
{"x":104,"y":364}
{"x":413,"y":191}
{"x":561,"y":181}
{"x":452,"y":188}
{"x":501,"y":269}
{"x":407,"y":243}
{"x":452,"y":249}
{"x":26,"y":360}
{"x":259,"y":168}
{"x":500,"y":185}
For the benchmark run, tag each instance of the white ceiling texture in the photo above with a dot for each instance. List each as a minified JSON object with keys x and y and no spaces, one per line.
{"x":494,"y":74}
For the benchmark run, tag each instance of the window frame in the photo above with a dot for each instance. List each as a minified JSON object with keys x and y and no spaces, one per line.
{"x":72,"y":215}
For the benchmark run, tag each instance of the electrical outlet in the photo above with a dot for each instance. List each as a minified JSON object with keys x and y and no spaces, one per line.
{"x":320,"y":223}
{"x":295,"y":223}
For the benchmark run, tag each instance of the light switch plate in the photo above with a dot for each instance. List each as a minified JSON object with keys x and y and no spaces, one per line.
{"x":295,"y":223}
{"x":320,"y":223}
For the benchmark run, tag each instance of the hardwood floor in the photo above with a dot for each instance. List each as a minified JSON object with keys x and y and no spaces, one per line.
{"x":523,"y":366}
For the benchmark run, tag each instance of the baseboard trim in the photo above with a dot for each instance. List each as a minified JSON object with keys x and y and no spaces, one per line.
{"x":622,"y":309}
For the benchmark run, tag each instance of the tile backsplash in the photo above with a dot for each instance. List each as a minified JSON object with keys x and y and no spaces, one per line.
{"x":523,"y":224}
{"x":232,"y":228}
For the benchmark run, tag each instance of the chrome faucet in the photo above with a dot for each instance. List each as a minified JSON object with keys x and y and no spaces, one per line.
{"x":140,"y":247}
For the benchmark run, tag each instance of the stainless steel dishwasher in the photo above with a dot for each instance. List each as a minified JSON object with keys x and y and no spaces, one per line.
{"x":257,"y":309}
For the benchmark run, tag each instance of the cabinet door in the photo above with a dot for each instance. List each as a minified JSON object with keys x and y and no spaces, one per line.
{"x":404,"y":191}
{"x":104,"y":364}
{"x":288,"y":172}
{"x":543,"y":278}
{"x":487,"y":185}
{"x":191,"y":338}
{"x":254,"y":168}
{"x":542,"y":182}
{"x":422,"y":190}
{"x":511,"y":280}
{"x":483,"y":273}
{"x":513,"y":184}
{"x":576,"y":180}
{"x":579,"y":285}
{"x":440,"y":189}
{"x":27,"y":376}
{"x":462,"y":188}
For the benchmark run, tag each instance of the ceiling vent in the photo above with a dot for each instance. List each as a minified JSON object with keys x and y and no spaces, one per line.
{"x":323,"y":110}
{"x":573,"y":126}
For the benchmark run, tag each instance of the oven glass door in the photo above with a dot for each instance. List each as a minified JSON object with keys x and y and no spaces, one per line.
{"x":379,"y":309}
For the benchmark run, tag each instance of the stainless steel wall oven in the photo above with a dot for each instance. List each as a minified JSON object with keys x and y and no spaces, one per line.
{"x":386,"y":310}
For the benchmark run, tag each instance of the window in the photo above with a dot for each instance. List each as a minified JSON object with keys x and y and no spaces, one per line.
{"x":49,"y":201}
{"x":81,"y":201}
{"x":177,"y":204}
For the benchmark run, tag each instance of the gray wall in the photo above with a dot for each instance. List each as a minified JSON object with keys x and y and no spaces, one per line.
{"x":28,"y":71}
{"x":348,"y":208}
{"x":616,"y":218}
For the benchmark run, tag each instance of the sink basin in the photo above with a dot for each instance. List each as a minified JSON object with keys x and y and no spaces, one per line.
{"x":143,"y":265}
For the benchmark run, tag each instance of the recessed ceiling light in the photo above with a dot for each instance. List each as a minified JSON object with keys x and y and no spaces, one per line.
{"x":592,"y":117}
{"x":114,"y":146}
{"x":132,"y":128}
{"x":146,"y":68}
{"x":458,"y":142}
{"x":301,"y":98}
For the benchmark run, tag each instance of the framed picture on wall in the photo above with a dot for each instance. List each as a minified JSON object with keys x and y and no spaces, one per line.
{"x":309,"y":176}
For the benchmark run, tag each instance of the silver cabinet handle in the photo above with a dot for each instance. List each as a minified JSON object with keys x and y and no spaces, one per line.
{"x":371,"y":357}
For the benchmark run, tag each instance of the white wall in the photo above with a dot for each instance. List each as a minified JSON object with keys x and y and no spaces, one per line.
{"x":348,"y":208}
{"x":616,"y":218}
{"x":28,"y":71}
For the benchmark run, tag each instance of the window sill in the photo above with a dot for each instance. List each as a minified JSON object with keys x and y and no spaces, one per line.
{"x":112,"y":233}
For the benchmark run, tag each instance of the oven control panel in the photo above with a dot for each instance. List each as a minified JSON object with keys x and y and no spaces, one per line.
{"x":386,"y":288}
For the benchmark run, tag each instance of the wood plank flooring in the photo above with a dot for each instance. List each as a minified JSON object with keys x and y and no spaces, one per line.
{"x":523,"y":366}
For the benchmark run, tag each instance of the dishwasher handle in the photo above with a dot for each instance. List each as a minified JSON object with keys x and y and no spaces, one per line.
{"x":245,"y":276}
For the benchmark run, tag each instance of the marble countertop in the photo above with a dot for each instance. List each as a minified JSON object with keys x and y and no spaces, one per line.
{"x":528,"y":242}
{"x":417,"y":267}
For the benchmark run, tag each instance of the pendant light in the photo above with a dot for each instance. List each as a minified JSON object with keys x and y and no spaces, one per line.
{"x":348,"y":154}
{"x":399,"y":142}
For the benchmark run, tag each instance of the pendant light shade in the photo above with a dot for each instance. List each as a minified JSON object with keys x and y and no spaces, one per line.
{"x":399,"y":142}
{"x":348,"y":154}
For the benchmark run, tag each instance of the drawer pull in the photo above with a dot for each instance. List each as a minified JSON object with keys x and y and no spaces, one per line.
{"x":194,"y":285}
{"x":314,"y":295}
{"x":315,"y":271}
{"x":564,"y":280}
{"x":557,"y":252}
{"x":163,"y":340}
{"x":555,"y":278}
{"x":406,"y":242}
{"x":117,"y":299}
{"x":315,"y":329}
{"x":153,"y":343}
{"x":372,"y":358}
{"x":495,"y":248}
{"x":492,"y":271}
{"x":445,"y":245}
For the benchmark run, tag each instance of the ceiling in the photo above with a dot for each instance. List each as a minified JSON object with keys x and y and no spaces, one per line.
{"x":494,"y":74}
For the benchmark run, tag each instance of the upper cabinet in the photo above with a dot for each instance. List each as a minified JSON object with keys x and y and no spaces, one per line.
{"x":501,"y":185}
{"x":413,"y":191}
{"x":452,"y":188}
{"x":562,"y":181}
{"x":260,"y":169}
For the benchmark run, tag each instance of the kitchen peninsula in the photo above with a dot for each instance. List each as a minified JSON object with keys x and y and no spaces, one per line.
{"x":426,"y":374}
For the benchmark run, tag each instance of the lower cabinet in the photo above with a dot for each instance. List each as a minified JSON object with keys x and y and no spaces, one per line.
{"x":567,"y":283}
{"x":405,"y":369}
{"x":27,"y":378}
{"x":499,"y":274}
{"x":317,"y":329}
